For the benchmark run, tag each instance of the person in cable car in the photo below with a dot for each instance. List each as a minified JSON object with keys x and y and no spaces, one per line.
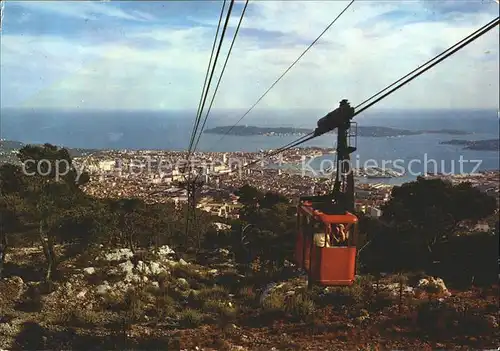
{"x":340,"y":235}
{"x":321,"y":239}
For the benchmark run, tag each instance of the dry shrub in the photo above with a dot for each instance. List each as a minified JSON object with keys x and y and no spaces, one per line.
{"x":222,"y":308}
{"x":215,"y":292}
{"x":383,"y":299}
{"x":248,"y":295}
{"x":198,"y":298}
{"x":191,"y":318}
{"x":166,"y":306}
{"x":274,"y":302}
{"x":300,"y":306}
{"x":214,"y":305}
{"x":453,"y":316}
{"x":78,"y":317}
{"x":135,"y":302}
{"x":113,"y":301}
{"x":187,"y":272}
{"x":105,"y":274}
{"x":222,"y":312}
{"x":345,"y":296}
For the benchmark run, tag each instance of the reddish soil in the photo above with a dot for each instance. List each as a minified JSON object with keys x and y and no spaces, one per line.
{"x":387,"y":329}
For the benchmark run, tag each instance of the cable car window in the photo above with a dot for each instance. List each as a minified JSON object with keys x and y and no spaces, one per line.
{"x":343,"y":234}
{"x":320,"y":234}
{"x":340,"y":234}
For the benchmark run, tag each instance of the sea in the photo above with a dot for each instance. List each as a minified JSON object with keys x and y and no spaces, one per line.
{"x":171,"y":130}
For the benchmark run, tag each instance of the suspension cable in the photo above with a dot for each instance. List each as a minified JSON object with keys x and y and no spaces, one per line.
{"x":288,"y":146}
{"x":422,"y":65}
{"x":453,"y":49}
{"x":220,"y":77}
{"x":286,"y":71}
{"x":463,"y":43}
{"x":228,"y":16}
{"x":198,"y":115}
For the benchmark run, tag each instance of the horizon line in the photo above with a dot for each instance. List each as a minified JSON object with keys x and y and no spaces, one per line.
{"x":34,"y":109}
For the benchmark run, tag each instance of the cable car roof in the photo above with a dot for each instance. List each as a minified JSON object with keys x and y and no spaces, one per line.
{"x":308,"y":209}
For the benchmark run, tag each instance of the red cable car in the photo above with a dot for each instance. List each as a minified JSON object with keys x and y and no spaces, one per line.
{"x":328,"y":258}
{"x":327,"y":229}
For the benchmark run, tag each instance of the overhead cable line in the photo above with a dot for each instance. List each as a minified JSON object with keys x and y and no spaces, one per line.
{"x":290,"y":145}
{"x":287,"y":70}
{"x":447,"y":53}
{"x":442,"y":56}
{"x":189,"y":184}
{"x":422,"y":65}
{"x":286,"y":146}
{"x":228,"y":16}
{"x":198,"y":114}
{"x":220,"y":77}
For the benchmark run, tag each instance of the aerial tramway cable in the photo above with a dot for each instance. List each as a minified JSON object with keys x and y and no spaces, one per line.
{"x":220,"y":77}
{"x":228,"y":16}
{"x":287,"y":70}
{"x":191,"y":185}
{"x":426,"y":63}
{"x":198,"y":113}
{"x":429,"y":64}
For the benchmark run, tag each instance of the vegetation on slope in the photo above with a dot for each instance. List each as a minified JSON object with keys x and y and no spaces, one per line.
{"x":215,"y":292}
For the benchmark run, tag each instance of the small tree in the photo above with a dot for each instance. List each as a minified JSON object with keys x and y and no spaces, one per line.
{"x":248,"y":195}
{"x":9,"y":222}
{"x":272,"y":223}
{"x":434,"y":209}
{"x":51,"y":188}
{"x":423,"y":215}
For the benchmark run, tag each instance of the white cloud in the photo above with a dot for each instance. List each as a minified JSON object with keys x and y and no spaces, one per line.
{"x":83,"y":9}
{"x":352,"y":61}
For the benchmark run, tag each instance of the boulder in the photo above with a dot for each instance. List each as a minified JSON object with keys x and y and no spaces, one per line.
{"x":118,"y":255}
{"x":89,"y":270}
{"x":432,"y":285}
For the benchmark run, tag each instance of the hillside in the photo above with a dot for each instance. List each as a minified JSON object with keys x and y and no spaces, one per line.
{"x":77,"y":271}
{"x":113,"y":301}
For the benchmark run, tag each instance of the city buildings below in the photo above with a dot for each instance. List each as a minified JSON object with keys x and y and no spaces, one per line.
{"x":157,"y":176}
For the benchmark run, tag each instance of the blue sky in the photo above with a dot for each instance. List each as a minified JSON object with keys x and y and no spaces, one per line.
{"x":153,"y":55}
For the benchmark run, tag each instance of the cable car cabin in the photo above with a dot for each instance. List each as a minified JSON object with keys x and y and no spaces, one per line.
{"x":326,"y":244}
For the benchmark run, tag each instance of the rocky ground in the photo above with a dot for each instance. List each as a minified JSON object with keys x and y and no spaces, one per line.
{"x":154,"y":300}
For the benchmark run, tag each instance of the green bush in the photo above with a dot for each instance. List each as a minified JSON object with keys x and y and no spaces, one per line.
{"x":345,"y":295}
{"x":221,"y":308}
{"x":274,"y":302}
{"x":77,"y":317}
{"x":248,"y":295}
{"x":215,"y":292}
{"x":191,"y":318}
{"x":300,"y":306}
{"x":166,"y":306}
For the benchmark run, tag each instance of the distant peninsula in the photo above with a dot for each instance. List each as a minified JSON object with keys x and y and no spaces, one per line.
{"x":364,"y":131}
{"x":479,"y":145}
